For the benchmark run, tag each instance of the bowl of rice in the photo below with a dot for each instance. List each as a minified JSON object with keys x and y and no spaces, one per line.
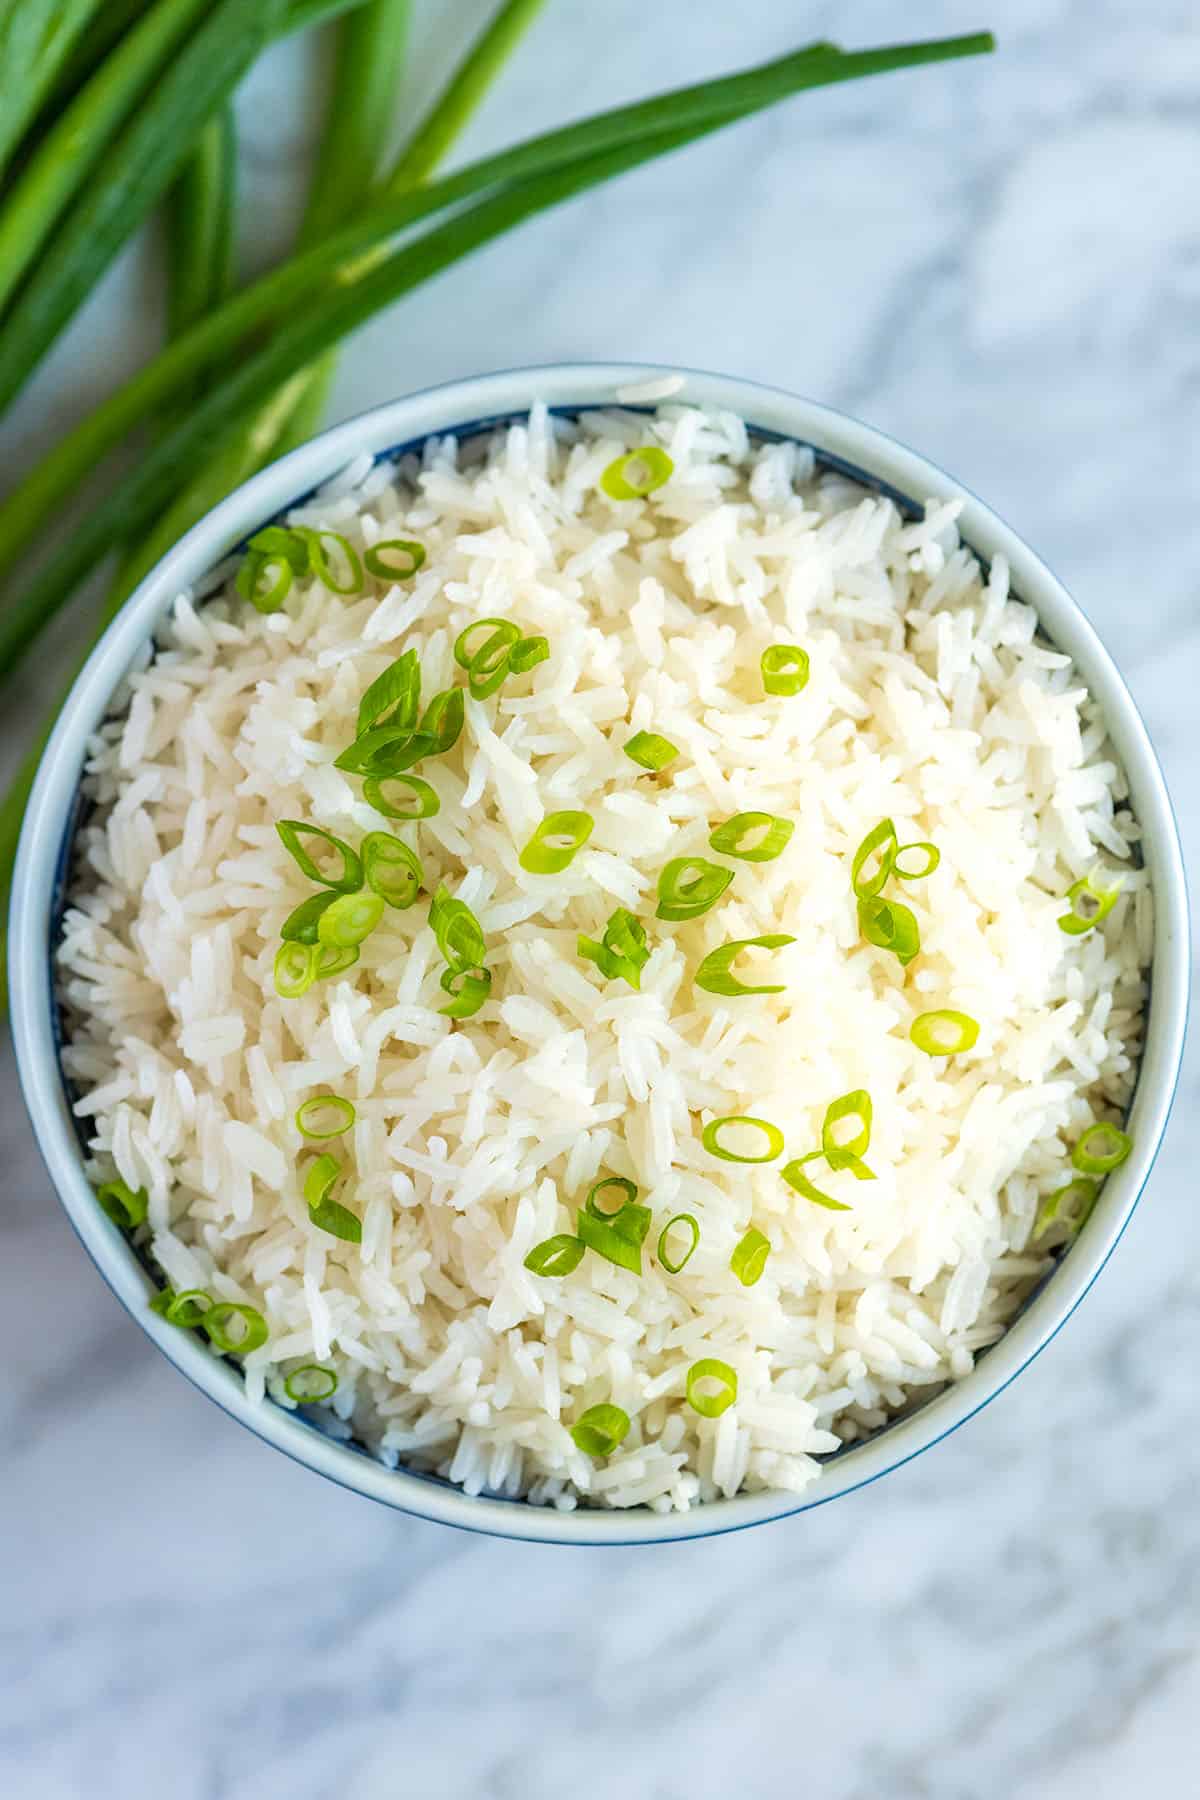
{"x":600,"y":955}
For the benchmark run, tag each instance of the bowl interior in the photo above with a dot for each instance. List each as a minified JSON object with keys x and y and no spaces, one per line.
{"x":57,"y":808}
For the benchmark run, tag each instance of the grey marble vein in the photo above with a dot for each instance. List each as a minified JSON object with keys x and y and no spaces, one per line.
{"x":1001,"y":264}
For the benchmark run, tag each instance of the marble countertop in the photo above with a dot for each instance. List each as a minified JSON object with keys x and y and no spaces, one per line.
{"x":999,"y":262}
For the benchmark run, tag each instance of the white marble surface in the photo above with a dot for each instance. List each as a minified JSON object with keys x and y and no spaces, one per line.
{"x":1001,"y":263}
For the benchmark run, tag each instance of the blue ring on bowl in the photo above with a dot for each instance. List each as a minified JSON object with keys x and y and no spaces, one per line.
{"x":572,"y":1533}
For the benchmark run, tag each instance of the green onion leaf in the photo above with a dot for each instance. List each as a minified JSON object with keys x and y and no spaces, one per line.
{"x":119,"y":1203}
{"x":189,"y":1309}
{"x":300,"y":926}
{"x":265,"y":581}
{"x":714,"y":976}
{"x":350,"y":920}
{"x":623,"y":1192}
{"x":1102,"y":1148}
{"x":623,"y":954}
{"x":793,"y":1174}
{"x":882,"y":840}
{"x":785,"y":669}
{"x":710,"y":1137}
{"x":689,"y":1223}
{"x":702,"y":1398}
{"x":944,"y":1032}
{"x":249,"y":1333}
{"x":750,"y":1255}
{"x":329,"y":1215}
{"x":391,"y":869}
{"x":890,"y":925}
{"x":422,"y":800}
{"x":394,"y":559}
{"x":930,"y":857}
{"x":393,"y":698}
{"x":618,"y":1239}
{"x":689,"y":886}
{"x":527,"y":653}
{"x":347,"y":879}
{"x":295,"y":968}
{"x":333,"y":959}
{"x":325,"y":1116}
{"x":382,"y":750}
{"x":637,"y":473}
{"x":600,"y":1430}
{"x":1088,"y":904}
{"x":752,"y":836}
{"x":555,"y":1255}
{"x":311,"y":1385}
{"x":346,"y":577}
{"x":556,"y":842}
{"x":1072,"y":1204}
{"x":458,"y":932}
{"x":650,"y":751}
{"x":842,"y":1153}
{"x":468,"y":989}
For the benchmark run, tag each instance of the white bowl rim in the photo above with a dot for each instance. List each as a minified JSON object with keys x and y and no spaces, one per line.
{"x":467,"y":403}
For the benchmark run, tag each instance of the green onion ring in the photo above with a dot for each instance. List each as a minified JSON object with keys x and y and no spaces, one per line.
{"x":556,"y":1255}
{"x":1088,"y":904}
{"x":468,"y":989}
{"x":841,"y":1154}
{"x":393,"y":698}
{"x":391,"y":869}
{"x":265,"y":597}
{"x":710,"y":1137}
{"x":711,"y":1368}
{"x":542,"y":856}
{"x":321,"y":566}
{"x":300,"y":926}
{"x":713,"y":974}
{"x":732,"y":837}
{"x":618,"y":1239}
{"x":326,"y":1391}
{"x":689,"y":886}
{"x":890,"y":925}
{"x":650,"y":751}
{"x":325,"y":1116}
{"x":944,"y":1032}
{"x":637,"y":473}
{"x":334,"y":959}
{"x":280,"y":541}
{"x":793,"y":1174}
{"x":218,"y":1318}
{"x":425,"y":800}
{"x":350,"y":920}
{"x":295,"y":968}
{"x":1063,"y":1202}
{"x":750,"y":1255}
{"x":503,"y":629}
{"x":600,"y":1430}
{"x":329,"y":1215}
{"x":458,"y":932}
{"x":382,"y":750}
{"x":931,"y":855}
{"x":348,"y":881}
{"x":527,"y":653}
{"x":377,"y":564}
{"x":689,"y":1220}
{"x":785,"y":669}
{"x":1101,"y":1161}
{"x":186,"y":1311}
{"x":119,"y":1202}
{"x":881,"y":838}
{"x":623,"y":954}
{"x":621,"y":1183}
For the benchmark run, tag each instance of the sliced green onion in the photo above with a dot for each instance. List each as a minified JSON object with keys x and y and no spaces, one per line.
{"x":930,"y":856}
{"x":882,"y":840}
{"x":944,"y":1032}
{"x":391,"y":869}
{"x":650,"y":751}
{"x":394,"y":559}
{"x":710,"y":1137}
{"x":350,"y":920}
{"x":623,"y":954}
{"x":842,"y":1153}
{"x":793,"y":1174}
{"x":527,"y":653}
{"x":442,"y":722}
{"x":713,"y":974}
{"x":689,"y":886}
{"x":488,"y":663}
{"x":161,"y":1301}
{"x":1102,"y":1148}
{"x":189,"y":1309}
{"x":382,"y":750}
{"x":334,"y":959}
{"x":620,"y":1185}
{"x":637,"y":473}
{"x":1088,"y":904}
{"x":468,"y":989}
{"x":349,"y":877}
{"x":618,"y":1239}
{"x":279,"y":541}
{"x":393,"y":698}
{"x":556,"y":842}
{"x":1073,"y":1204}
{"x":295,"y":969}
{"x":555,"y":1255}
{"x":253,"y":1330}
{"x":311,"y":1385}
{"x":752,"y":836}
{"x":749,"y":1257}
{"x":689,"y":1222}
{"x":300,"y":926}
{"x":784,"y":669}
{"x":122,"y":1205}
{"x":329,"y":1215}
{"x":708,"y":1404}
{"x":504,"y":629}
{"x":351,"y":582}
{"x":325,"y":1116}
{"x":265,"y":581}
{"x":424,"y":802}
{"x":600,"y":1430}
{"x":458,"y":932}
{"x":890,"y":925}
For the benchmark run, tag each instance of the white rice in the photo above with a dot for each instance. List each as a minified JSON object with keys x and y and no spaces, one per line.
{"x":931,"y":700}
